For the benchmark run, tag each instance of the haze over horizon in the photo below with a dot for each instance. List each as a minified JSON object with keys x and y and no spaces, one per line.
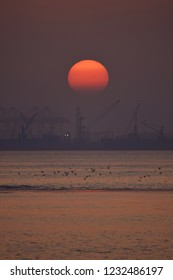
{"x":42,"y":39}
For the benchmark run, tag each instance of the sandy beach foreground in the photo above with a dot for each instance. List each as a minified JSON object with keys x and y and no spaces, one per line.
{"x":86,"y":225}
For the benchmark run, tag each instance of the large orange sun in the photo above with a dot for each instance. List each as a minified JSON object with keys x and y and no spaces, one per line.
{"x":88,"y":76}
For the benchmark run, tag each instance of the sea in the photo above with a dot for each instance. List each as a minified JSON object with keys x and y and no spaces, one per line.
{"x":86,"y":170}
{"x":70,"y":205}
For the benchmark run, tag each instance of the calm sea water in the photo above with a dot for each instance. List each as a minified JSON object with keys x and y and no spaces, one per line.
{"x":73,"y":170}
{"x":86,"y":224}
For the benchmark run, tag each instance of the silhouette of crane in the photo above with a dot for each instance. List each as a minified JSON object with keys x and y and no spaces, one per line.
{"x":25,"y":126}
{"x":135,"y":132}
{"x":80,"y":128}
{"x":134,"y":120}
{"x":160,"y":131}
{"x":104,"y":114}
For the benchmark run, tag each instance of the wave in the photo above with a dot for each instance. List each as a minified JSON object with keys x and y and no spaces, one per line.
{"x":83,"y":188}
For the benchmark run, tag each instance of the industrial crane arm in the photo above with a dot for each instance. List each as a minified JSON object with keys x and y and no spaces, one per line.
{"x":149,"y":126}
{"x":101,"y":116}
{"x":28,"y":123}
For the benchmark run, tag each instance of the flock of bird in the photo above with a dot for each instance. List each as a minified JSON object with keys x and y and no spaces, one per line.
{"x":158,"y":171}
{"x":91,"y":171}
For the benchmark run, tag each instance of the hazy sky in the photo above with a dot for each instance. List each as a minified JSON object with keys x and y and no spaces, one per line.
{"x":42,"y":39}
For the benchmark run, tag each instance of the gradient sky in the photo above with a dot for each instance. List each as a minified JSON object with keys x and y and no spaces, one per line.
{"x":41,"y":40}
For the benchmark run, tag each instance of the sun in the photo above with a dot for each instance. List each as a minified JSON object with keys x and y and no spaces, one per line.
{"x":88,"y":76}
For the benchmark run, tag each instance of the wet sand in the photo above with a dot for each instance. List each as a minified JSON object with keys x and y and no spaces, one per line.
{"x":86,"y":225}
